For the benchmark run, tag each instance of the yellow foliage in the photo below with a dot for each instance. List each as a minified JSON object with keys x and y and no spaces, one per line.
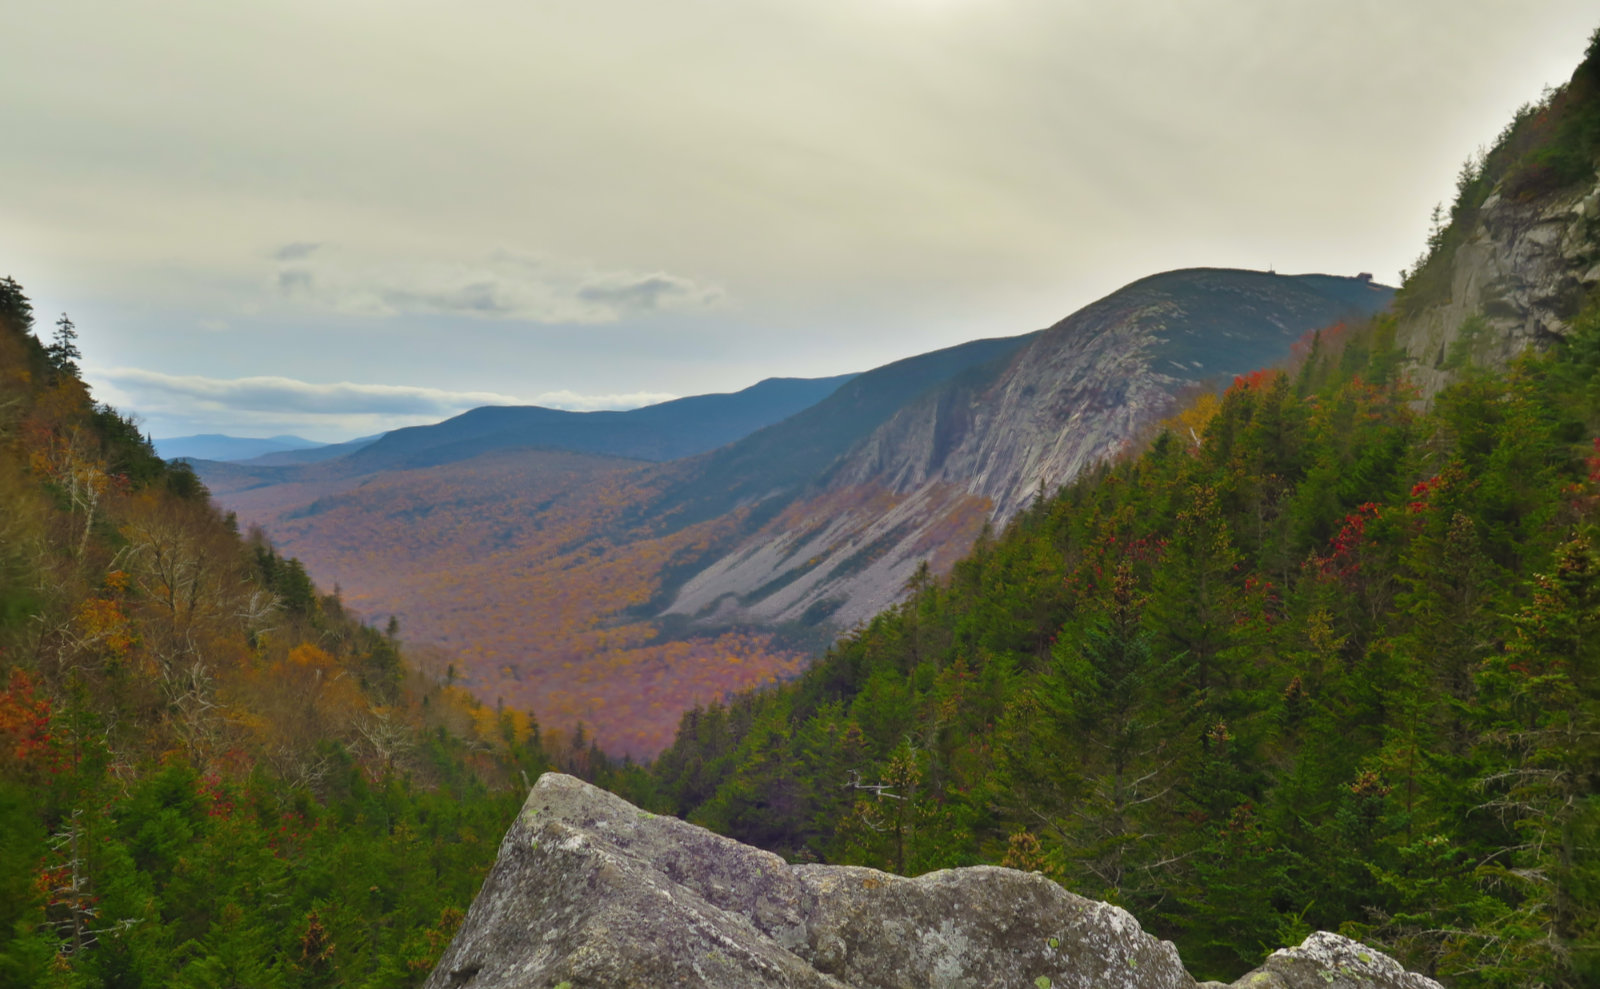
{"x":306,"y":654}
{"x":1189,"y":425}
{"x":103,"y":626}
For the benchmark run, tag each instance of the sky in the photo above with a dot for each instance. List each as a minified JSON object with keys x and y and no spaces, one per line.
{"x":334,"y":217}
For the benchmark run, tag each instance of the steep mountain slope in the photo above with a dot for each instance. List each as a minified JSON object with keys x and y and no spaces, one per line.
{"x":1328,"y":658}
{"x":209,"y":773}
{"x":783,"y":459}
{"x":982,"y":445}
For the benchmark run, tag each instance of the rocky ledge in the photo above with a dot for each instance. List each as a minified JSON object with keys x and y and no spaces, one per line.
{"x":590,"y":892}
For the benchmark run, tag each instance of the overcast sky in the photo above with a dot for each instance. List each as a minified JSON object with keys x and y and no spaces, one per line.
{"x":331,"y":217}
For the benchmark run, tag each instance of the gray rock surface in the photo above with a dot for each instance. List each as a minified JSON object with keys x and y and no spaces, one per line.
{"x":1516,"y":282}
{"x":1329,"y":961}
{"x":589,"y":892}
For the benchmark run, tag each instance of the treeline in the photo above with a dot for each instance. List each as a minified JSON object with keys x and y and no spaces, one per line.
{"x":210,"y":774}
{"x":1325,"y":662}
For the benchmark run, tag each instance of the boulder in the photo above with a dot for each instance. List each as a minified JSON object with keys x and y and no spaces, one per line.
{"x":590,"y":892}
{"x":1330,"y":961}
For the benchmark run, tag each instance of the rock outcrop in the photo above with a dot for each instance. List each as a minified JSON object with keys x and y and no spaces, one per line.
{"x":1515,"y":282}
{"x":589,"y":892}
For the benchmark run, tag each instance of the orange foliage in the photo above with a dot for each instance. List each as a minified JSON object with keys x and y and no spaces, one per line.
{"x":1255,"y":380}
{"x":25,"y":740}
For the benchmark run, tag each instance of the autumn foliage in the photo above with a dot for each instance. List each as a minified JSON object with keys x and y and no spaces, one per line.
{"x":527,"y":575}
{"x":210,"y":773}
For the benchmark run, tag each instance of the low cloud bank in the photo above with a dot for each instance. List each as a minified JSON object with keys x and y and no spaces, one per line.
{"x":172,"y":404}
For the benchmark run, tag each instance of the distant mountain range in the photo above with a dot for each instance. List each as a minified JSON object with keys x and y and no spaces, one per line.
{"x":217,"y":446}
{"x":666,"y":431}
{"x":573,"y":576}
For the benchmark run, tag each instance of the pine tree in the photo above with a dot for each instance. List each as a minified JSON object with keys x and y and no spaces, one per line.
{"x":63,"y":351}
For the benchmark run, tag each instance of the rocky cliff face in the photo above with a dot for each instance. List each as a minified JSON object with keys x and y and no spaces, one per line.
{"x":1516,"y":282}
{"x":982,"y":445}
{"x":589,"y":892}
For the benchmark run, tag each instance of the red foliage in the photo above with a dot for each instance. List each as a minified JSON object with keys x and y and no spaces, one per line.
{"x":1261,"y":601}
{"x":1327,"y":338}
{"x":1343,"y":559}
{"x":1422,"y":494}
{"x":25,"y":724}
{"x":1254,"y":381}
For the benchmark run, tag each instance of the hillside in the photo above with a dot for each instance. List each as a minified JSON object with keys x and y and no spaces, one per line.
{"x":211,"y":774}
{"x":1324,"y":655}
{"x":1332,"y":664}
{"x":309,"y":454}
{"x":1512,"y":261}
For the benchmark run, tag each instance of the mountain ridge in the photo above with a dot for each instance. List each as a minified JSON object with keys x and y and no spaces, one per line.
{"x":665,"y":431}
{"x":220,"y":446}
{"x":751,"y":554}
{"x":981,"y":446}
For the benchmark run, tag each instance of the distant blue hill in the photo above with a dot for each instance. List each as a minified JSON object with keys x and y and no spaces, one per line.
{"x":216,"y":446}
{"x":667,"y":431}
{"x":311,"y":455}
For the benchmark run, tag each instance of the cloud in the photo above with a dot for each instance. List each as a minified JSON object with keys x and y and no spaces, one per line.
{"x":294,"y":282}
{"x":646,"y":293}
{"x":503,"y":285}
{"x":342,"y":408}
{"x":574,"y":402}
{"x":289,"y":395}
{"x":297,"y":251}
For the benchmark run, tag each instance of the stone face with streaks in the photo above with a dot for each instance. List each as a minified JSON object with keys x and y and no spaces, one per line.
{"x":589,"y":892}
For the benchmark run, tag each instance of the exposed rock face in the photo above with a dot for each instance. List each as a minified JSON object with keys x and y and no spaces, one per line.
{"x":980,"y":446}
{"x":590,"y":892}
{"x":1516,"y":282}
